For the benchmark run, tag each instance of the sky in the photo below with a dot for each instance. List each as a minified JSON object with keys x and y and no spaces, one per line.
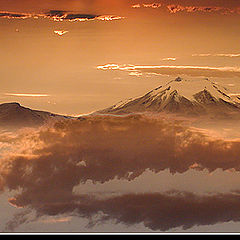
{"x":62,"y":70}
{"x":75,"y":57}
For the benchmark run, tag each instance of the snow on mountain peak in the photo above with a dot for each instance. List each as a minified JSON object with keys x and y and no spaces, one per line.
{"x":180,"y":95}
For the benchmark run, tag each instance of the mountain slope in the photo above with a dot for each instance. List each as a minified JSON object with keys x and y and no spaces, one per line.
{"x":13,"y":115}
{"x":180,"y":96}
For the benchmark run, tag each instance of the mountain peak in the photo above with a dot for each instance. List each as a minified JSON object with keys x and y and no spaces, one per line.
{"x":180,"y":96}
{"x":16,"y":104}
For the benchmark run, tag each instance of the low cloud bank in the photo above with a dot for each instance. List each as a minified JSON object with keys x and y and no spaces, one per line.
{"x":46,"y":164}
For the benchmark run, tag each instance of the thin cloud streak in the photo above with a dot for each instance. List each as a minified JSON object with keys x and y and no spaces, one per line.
{"x":59,"y":16}
{"x":26,"y":95}
{"x":231,"y":55}
{"x":192,"y":71}
{"x":206,"y":9}
{"x":147,"y":5}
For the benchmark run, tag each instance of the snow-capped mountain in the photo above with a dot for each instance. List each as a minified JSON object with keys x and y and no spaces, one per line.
{"x":179,"y":96}
{"x":13,"y":115}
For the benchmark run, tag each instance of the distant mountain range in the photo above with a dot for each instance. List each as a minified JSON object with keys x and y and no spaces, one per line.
{"x":200,"y":97}
{"x":184,"y":97}
{"x":13,"y":115}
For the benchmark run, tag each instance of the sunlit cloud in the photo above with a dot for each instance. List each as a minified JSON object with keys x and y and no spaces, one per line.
{"x":59,"y":16}
{"x":109,"y":18}
{"x":147,"y":5}
{"x":169,"y":59}
{"x":193,"y":71}
{"x":152,"y":5}
{"x":26,"y":95}
{"x":52,"y":220}
{"x":15,"y":15}
{"x":136,"y":6}
{"x":60,"y":32}
{"x":137,"y":74}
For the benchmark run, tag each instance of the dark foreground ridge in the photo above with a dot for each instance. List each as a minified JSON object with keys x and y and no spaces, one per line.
{"x":13,"y":115}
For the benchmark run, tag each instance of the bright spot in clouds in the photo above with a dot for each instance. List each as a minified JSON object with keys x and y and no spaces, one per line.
{"x":169,"y":59}
{"x":60,"y":32}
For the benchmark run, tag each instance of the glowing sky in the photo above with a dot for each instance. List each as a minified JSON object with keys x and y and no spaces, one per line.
{"x":54,"y":48}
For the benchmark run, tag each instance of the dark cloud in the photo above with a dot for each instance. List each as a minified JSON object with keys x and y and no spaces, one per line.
{"x":59,"y":15}
{"x":122,"y":6}
{"x":45,"y":165}
{"x":80,"y":16}
{"x":103,"y":148}
{"x":157,"y":211}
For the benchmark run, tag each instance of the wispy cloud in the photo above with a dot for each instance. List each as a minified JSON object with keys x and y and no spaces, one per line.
{"x":193,"y":71}
{"x":26,"y":94}
{"x":147,"y":5}
{"x":10,"y":15}
{"x":56,"y":220}
{"x":206,"y":9}
{"x":231,"y":55}
{"x":193,"y":8}
{"x":169,"y":59}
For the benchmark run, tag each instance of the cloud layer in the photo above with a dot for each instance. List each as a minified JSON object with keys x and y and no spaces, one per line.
{"x":45,"y":165}
{"x":192,"y":71}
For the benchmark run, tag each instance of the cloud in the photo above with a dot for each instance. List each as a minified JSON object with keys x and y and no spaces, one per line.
{"x":147,"y":5}
{"x":56,"y":220}
{"x":192,"y":71}
{"x":230,"y":55}
{"x":156,"y":211}
{"x":26,"y":94}
{"x":190,"y":9}
{"x":60,"y":32}
{"x":45,"y":165}
{"x":193,"y":7}
{"x":15,"y":15}
{"x":59,"y":15}
{"x":169,"y":59}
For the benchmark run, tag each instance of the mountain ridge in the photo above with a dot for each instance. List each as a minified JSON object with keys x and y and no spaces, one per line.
{"x":183,"y":97}
{"x":14,"y":116}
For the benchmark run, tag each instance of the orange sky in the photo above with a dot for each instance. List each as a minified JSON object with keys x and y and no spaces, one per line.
{"x":37,"y":61}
